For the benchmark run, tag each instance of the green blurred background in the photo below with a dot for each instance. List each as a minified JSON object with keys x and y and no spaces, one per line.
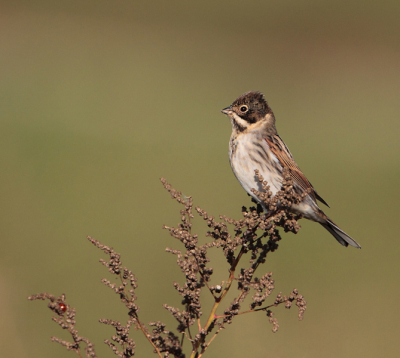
{"x":98,"y":99}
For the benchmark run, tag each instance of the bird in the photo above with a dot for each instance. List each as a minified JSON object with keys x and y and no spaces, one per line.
{"x":256,"y":145}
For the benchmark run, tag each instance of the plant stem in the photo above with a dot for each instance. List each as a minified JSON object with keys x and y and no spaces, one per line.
{"x":218,"y":300}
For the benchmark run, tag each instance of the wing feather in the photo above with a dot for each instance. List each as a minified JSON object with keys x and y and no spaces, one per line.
{"x":281,"y":151}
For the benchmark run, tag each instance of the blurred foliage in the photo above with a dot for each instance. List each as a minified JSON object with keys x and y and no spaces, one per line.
{"x":98,"y":99}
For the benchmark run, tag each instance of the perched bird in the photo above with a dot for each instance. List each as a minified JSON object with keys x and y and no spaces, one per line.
{"x":255,"y":144}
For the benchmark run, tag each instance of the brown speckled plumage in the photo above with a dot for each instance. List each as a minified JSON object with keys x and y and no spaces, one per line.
{"x":255,"y":144}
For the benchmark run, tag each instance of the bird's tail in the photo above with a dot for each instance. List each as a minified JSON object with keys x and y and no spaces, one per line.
{"x":339,"y":234}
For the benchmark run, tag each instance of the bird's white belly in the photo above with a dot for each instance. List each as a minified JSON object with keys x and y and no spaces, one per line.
{"x":246,"y":157}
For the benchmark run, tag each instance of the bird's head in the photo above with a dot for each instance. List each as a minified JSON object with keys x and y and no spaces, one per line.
{"x":249,"y":111}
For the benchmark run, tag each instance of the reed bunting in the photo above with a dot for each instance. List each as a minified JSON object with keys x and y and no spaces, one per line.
{"x":255,"y":144}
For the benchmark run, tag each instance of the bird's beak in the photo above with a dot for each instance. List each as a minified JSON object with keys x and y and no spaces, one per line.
{"x":227,"y":110}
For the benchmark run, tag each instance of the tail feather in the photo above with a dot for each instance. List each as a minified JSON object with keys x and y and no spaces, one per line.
{"x":339,"y":234}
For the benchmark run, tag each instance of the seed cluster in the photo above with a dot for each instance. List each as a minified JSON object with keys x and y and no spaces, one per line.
{"x":245,"y":243}
{"x":65,"y":318}
{"x":255,"y":234}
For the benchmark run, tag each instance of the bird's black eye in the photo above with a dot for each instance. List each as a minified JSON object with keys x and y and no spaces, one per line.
{"x":243,"y":109}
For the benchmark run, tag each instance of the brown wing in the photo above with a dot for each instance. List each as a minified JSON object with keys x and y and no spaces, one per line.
{"x":281,"y":151}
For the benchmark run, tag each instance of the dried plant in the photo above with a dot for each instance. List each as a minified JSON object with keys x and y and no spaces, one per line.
{"x":256,"y":234}
{"x":65,"y":317}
